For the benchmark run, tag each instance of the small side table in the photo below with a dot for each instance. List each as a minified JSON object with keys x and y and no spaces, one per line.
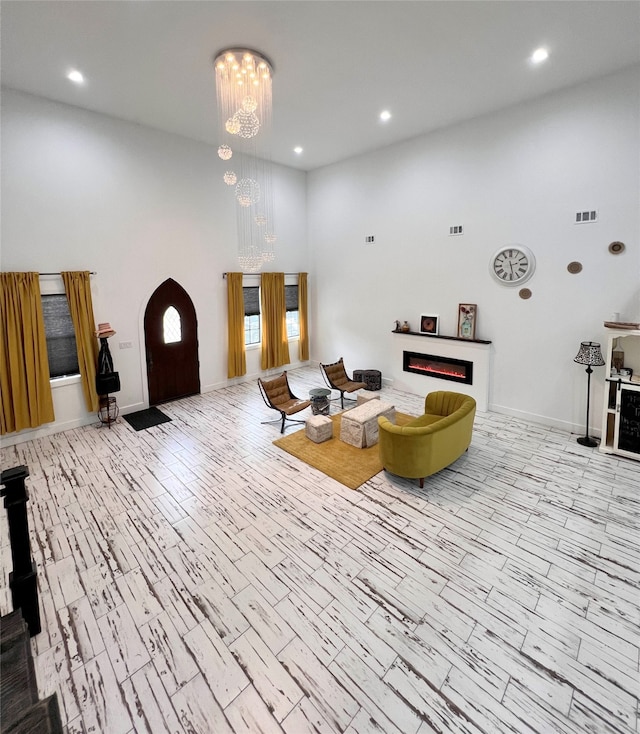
{"x":319,"y":397}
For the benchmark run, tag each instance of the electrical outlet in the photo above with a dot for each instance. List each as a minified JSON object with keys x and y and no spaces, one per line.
{"x":586,"y":217}
{"x":370,"y":239}
{"x":456,"y":230}
{"x":125,"y":345}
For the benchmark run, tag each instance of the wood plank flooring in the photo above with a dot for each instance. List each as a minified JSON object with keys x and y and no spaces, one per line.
{"x":196,"y":579}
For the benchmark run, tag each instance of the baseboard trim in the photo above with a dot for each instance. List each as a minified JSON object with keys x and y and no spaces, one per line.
{"x":30,"y":434}
{"x":543,"y":420}
{"x":267,"y":374}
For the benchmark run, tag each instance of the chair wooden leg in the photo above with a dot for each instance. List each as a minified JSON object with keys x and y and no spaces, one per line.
{"x":421,"y":482}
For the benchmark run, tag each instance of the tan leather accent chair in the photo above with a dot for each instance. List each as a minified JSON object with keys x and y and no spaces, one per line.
{"x":277,"y":394}
{"x":336,"y":378}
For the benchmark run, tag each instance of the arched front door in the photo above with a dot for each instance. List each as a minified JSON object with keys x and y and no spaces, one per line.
{"x":171,"y":343}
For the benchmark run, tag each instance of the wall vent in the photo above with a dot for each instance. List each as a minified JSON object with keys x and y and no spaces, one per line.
{"x":455,"y":230}
{"x":586,"y":217}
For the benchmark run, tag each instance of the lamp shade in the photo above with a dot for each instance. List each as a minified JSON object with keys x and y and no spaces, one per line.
{"x":589,"y":354}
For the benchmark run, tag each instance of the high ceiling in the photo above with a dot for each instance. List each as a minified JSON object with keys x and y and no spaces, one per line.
{"x":337,"y":64}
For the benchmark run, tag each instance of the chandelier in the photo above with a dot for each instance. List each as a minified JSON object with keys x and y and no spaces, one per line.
{"x":243,"y":89}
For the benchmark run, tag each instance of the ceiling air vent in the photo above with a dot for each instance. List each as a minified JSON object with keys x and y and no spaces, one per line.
{"x":586,"y":217}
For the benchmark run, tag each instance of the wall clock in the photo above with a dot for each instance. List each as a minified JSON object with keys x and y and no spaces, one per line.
{"x":512,"y":264}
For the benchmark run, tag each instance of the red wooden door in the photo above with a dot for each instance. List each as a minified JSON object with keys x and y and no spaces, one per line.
{"x":171,"y":343}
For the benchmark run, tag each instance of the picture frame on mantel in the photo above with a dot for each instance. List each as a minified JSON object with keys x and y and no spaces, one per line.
{"x":429,"y":324}
{"x":467,"y":317}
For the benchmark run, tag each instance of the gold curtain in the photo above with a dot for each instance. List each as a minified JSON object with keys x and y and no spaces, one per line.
{"x":77,"y":286}
{"x":24,"y":368}
{"x":236,"y":357}
{"x":303,"y":344}
{"x":275,"y":347}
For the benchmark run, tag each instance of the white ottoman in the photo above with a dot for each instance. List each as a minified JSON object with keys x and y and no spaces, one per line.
{"x":359,"y":426}
{"x":319,"y":428}
{"x":365,"y":397}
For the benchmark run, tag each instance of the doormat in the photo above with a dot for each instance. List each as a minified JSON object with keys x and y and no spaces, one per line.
{"x":146,"y":418}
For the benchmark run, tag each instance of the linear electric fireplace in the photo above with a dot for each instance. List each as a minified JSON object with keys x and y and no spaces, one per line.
{"x":444,"y":368}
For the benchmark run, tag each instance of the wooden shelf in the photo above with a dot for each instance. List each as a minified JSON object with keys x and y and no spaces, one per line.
{"x":438,"y":336}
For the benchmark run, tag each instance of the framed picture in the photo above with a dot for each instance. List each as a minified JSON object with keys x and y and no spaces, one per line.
{"x":467,"y":313}
{"x":429,"y":323}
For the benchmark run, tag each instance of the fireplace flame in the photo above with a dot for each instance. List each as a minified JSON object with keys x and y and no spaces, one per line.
{"x":443,"y":368}
{"x":438,"y":370}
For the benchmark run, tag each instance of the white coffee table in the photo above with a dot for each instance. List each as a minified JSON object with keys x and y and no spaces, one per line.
{"x":359,"y":426}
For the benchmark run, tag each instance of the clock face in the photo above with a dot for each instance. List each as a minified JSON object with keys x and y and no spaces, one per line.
{"x":512,"y":265}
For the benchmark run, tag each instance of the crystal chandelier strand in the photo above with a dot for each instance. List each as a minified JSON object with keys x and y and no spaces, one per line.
{"x":244,"y":96}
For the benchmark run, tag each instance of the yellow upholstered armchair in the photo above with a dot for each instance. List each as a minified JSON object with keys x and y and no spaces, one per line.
{"x":277,"y":394}
{"x":336,"y":377}
{"x":430,"y":442}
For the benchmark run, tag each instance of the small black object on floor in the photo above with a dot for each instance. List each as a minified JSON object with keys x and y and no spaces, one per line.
{"x":146,"y":418}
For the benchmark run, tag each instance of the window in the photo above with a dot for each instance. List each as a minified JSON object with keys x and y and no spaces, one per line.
{"x":252,"y":321}
{"x":251,"y":295}
{"x":293,"y":315}
{"x":61,"y":338}
{"x":171,"y":326}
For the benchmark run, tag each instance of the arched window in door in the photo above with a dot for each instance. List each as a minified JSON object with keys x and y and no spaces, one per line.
{"x":171,"y":326}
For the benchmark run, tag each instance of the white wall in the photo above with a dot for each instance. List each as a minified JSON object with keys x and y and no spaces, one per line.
{"x":85,"y":191}
{"x":82,"y":191}
{"x":516,"y":176}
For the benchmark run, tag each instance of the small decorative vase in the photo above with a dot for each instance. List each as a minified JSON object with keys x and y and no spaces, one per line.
{"x":405,"y":326}
{"x":617,"y":356}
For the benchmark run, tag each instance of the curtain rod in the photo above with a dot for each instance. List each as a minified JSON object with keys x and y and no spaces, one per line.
{"x":224,"y":275}
{"x":91,"y":273}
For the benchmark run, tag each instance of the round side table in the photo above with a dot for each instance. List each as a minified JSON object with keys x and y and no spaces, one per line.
{"x":319,"y":397}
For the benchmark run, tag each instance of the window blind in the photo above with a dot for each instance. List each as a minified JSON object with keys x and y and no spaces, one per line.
{"x":251,"y":296}
{"x":291,"y":297}
{"x":61,"y":338}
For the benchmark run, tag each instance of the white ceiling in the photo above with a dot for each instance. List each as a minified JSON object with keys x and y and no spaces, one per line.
{"x":337,"y":63}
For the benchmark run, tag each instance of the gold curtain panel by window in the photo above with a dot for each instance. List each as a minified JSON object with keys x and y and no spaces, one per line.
{"x":275,"y":346}
{"x":24,"y":368}
{"x":236,"y":352}
{"x":77,"y":286}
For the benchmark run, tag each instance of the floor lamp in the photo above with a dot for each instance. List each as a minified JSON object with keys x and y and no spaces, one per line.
{"x":590,"y":355}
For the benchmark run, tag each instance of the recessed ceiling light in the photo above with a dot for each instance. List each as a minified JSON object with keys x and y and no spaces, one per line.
{"x":539,"y":55}
{"x":75,"y":76}
{"x":385,"y":115}
{"x":297,"y":149}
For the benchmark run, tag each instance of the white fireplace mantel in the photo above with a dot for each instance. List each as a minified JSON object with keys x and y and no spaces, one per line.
{"x":476,"y":351}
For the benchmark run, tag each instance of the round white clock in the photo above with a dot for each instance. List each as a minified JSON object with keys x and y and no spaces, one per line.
{"x":512,"y":264}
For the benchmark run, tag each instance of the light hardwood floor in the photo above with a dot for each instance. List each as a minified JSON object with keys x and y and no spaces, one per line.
{"x":195,"y":578}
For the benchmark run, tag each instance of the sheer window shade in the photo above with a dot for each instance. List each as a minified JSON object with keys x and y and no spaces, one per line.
{"x":61,"y":340}
{"x":251,"y":295}
{"x":291,"y":297}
